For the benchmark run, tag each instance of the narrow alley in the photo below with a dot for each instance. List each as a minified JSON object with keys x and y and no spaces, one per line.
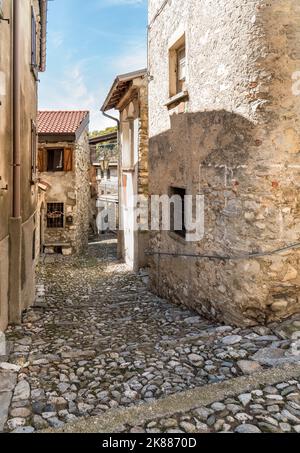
{"x":98,"y":340}
{"x":149,"y":219}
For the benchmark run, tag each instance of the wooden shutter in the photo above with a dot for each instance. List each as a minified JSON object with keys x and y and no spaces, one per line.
{"x":68,"y":159}
{"x":42,"y":160}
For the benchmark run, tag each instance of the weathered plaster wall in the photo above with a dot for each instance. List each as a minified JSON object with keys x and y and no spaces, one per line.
{"x":28,"y":262}
{"x":5,"y":170}
{"x":4,"y":276}
{"x":241,"y":116}
{"x":132,"y":241}
{"x":28,"y":191}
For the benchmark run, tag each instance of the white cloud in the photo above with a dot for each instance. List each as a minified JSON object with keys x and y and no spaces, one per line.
{"x":56,"y":38}
{"x":134,"y":58}
{"x":122,"y":2}
{"x":72,"y":93}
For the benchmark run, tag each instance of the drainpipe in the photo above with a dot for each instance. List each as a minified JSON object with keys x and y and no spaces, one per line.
{"x":43,"y":14}
{"x":15,"y":224}
{"x":114,"y":119}
{"x":16,"y":111}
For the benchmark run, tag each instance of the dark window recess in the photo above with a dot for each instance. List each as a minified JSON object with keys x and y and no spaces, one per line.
{"x":178,"y":227}
{"x":108,"y":173}
{"x":55,"y":160}
{"x":55,"y":215}
{"x":33,"y":244}
{"x":33,"y":40}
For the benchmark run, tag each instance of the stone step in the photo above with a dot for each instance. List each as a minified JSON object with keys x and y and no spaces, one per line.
{"x":114,"y":420}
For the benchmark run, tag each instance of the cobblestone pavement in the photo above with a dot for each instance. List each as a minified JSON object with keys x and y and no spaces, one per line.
{"x":98,"y":339}
{"x":269,"y":409}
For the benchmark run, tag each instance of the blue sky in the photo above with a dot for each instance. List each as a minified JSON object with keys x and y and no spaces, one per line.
{"x":89,"y":43}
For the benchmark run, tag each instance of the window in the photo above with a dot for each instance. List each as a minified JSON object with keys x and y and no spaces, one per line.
{"x":177,"y":67}
{"x":55,"y":160}
{"x":33,"y":40}
{"x":55,"y":215}
{"x":33,"y":152}
{"x":108,"y":174}
{"x":177,"y":211}
{"x":1,"y":9}
{"x":128,"y":142}
{"x":181,"y":69}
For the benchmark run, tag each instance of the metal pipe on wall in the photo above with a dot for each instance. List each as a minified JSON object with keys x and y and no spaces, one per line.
{"x":16,"y":110}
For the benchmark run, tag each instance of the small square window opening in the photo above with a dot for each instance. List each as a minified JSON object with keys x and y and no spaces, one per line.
{"x":55,"y":215}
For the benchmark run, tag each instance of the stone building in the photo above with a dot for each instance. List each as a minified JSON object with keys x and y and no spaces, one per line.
{"x":63,"y":163}
{"x":224,"y":122}
{"x":128,"y":95}
{"x":104,"y":178}
{"x":22,"y":56}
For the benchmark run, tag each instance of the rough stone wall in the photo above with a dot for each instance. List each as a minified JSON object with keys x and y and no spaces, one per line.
{"x":73,"y":189}
{"x":61,"y":190}
{"x":236,"y":141}
{"x":82,"y":190}
{"x":143,"y":140}
{"x":93,"y":197}
{"x":143,"y":186}
{"x":28,"y":191}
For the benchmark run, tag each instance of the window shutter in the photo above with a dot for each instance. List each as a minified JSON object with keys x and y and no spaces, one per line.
{"x":68,"y":157}
{"x":42,"y":160}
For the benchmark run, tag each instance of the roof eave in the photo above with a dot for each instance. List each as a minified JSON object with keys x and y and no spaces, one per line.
{"x":83,"y":125}
{"x":121,"y":78}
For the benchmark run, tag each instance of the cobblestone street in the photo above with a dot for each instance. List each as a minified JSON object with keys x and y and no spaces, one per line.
{"x":270,"y":409}
{"x":97,"y":339}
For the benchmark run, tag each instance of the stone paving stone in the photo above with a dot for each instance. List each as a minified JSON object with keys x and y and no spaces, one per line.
{"x":245,"y":420}
{"x":7,"y":381}
{"x":5,"y":398}
{"x":102,"y":340}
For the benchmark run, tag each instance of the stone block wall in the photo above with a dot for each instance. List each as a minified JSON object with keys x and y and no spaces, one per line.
{"x":73,"y":189}
{"x":235,"y":140}
{"x":82,"y":190}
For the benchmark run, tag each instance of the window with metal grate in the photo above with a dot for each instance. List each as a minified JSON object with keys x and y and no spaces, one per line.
{"x":55,"y":215}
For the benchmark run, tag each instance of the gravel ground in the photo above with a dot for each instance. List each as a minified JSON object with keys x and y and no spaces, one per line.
{"x":98,"y":339}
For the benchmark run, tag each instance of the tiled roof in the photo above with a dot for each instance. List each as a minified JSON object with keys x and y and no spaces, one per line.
{"x":60,"y":122}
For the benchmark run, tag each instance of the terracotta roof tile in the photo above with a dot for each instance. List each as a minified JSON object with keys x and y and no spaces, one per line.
{"x":60,"y":122}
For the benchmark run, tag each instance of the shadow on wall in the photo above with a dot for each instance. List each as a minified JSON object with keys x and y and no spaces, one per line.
{"x":246,"y":185}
